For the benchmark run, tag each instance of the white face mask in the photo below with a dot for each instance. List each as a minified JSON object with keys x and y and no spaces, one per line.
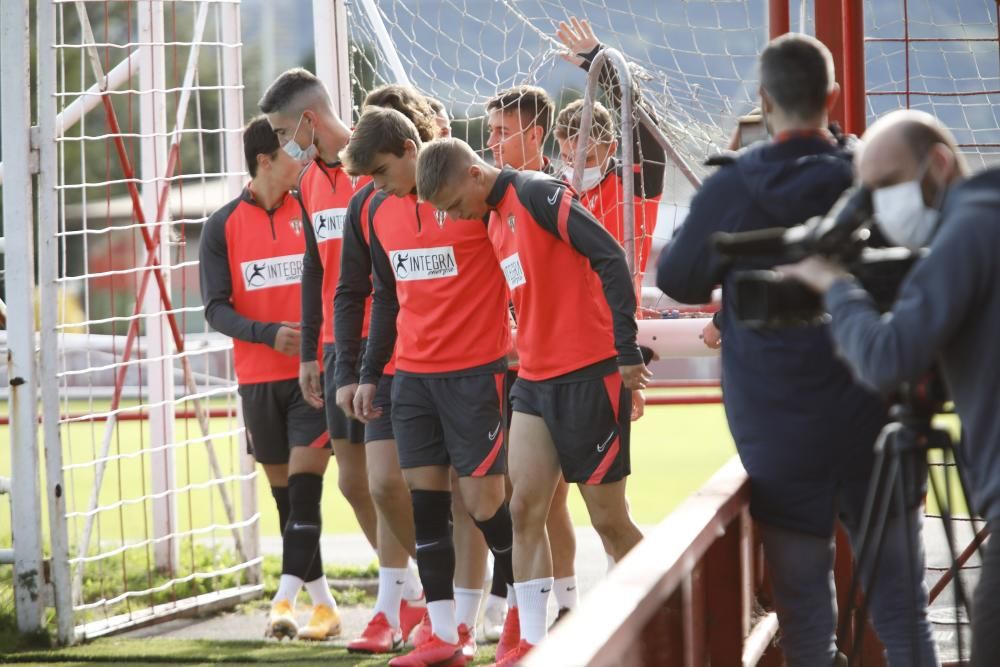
{"x":902,"y":215}
{"x":296,"y":152}
{"x":591,"y":177}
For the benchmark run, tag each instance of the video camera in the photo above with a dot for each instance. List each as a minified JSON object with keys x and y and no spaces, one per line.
{"x":764,"y":299}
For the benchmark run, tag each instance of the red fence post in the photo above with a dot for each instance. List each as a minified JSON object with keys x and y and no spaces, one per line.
{"x":830,"y":31}
{"x":727,"y":607}
{"x":778,"y":18}
{"x":854,"y":67}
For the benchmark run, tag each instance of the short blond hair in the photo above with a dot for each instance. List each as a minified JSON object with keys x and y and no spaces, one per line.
{"x":380,"y":130}
{"x":439,"y":163}
{"x":602,"y":130}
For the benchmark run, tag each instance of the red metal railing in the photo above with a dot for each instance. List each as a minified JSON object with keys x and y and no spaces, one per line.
{"x":686,"y":595}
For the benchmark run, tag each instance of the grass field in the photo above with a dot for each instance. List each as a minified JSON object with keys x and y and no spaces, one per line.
{"x":674,"y":449}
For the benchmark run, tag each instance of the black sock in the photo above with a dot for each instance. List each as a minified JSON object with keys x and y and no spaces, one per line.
{"x":280,"y":495}
{"x":499,"y":534}
{"x":435,"y":549}
{"x":301,"y":535}
{"x":499,"y":585}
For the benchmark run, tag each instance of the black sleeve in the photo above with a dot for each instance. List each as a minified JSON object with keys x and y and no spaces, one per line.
{"x":385,"y":308}
{"x":646,"y":150}
{"x":689,"y":268}
{"x":353,"y":289}
{"x":217,"y":286}
{"x":588,"y":237}
{"x":312,"y":292}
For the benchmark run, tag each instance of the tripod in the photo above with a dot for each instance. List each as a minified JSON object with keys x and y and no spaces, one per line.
{"x":898,"y":486}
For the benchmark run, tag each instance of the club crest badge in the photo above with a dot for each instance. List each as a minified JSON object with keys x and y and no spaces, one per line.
{"x":440,"y":216}
{"x":510,"y":221}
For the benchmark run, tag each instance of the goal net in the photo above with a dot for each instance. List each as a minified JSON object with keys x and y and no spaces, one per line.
{"x":156,"y":504}
{"x":694,"y":63}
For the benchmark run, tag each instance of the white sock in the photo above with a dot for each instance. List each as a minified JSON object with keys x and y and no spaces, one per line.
{"x":511,"y":597}
{"x":391,"y":582}
{"x":288,"y":589}
{"x":319,"y":592}
{"x":495,"y":602}
{"x":566,"y":593}
{"x":412,"y":588}
{"x":611,"y":561}
{"x":443,"y":623}
{"x":533,"y":605}
{"x":467,"y":606}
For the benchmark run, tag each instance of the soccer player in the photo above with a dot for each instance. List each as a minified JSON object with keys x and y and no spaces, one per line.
{"x":602,"y":189}
{"x":300,"y":111}
{"x":437,"y":283}
{"x":575,"y":308}
{"x":519,"y":120}
{"x":387,"y":629}
{"x":251,"y":258}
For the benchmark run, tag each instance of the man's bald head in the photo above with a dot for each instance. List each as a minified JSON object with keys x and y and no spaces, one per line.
{"x":904,"y":146}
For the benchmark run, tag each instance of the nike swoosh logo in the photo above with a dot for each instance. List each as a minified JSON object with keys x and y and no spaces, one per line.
{"x":399,"y":583}
{"x":555,"y":197}
{"x":545,"y":590}
{"x":427,"y":545}
{"x":495,"y":432}
{"x":604,"y":445}
{"x":500,"y":552}
{"x":571,"y":588}
{"x":303,"y":526}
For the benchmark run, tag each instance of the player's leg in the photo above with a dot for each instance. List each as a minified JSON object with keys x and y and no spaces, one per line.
{"x":595,"y":454}
{"x":470,"y":563}
{"x":471,"y":409}
{"x":562,"y":538}
{"x":534,"y":471}
{"x":302,"y":558}
{"x":267,"y":437}
{"x":348,"y":446}
{"x":425,"y":465}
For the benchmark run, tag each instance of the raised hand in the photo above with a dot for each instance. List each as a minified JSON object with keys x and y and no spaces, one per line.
{"x":578,"y":38}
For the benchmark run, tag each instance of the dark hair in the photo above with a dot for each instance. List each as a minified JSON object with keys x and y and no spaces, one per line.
{"x":407,"y":101}
{"x":289,"y":85}
{"x":380,"y":130}
{"x":258,"y":139}
{"x":796,"y":72}
{"x":533,"y":103}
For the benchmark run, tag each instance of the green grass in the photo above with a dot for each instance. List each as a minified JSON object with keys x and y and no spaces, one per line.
{"x":197,"y":652}
{"x":674,"y":449}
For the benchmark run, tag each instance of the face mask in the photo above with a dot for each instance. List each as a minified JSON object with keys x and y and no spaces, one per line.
{"x":903,"y":216}
{"x":591,"y":177}
{"x":294,"y":151}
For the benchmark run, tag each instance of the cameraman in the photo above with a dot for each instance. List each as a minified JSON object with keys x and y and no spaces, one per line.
{"x":948,"y":308}
{"x":803,"y":428}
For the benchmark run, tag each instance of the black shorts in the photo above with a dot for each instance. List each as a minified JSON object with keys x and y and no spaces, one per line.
{"x":340,"y":427}
{"x":589,"y":421}
{"x":278,"y":418}
{"x":381,"y":428}
{"x":456,"y":420}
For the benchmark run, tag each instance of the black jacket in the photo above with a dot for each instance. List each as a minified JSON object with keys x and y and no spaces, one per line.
{"x":803,"y":428}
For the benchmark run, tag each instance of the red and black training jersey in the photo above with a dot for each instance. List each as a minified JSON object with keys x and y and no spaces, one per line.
{"x":568,"y":279}
{"x":251,"y":267}
{"x":606,"y":201}
{"x":352,"y":303}
{"x":442,"y":279}
{"x":325,"y":190}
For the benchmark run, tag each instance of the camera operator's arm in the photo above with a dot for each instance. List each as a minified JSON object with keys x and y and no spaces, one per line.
{"x":934,"y":302}
{"x":689,"y":268}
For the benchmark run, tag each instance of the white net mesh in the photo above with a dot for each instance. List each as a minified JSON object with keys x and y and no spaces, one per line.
{"x":940,"y":57}
{"x":159,"y":502}
{"x":694,"y":63}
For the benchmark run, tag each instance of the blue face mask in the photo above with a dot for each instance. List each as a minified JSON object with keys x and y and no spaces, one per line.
{"x":294,"y":151}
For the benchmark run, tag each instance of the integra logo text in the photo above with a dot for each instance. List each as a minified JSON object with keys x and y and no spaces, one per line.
{"x":329,"y":224}
{"x":424,"y":263}
{"x":271,"y":272}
